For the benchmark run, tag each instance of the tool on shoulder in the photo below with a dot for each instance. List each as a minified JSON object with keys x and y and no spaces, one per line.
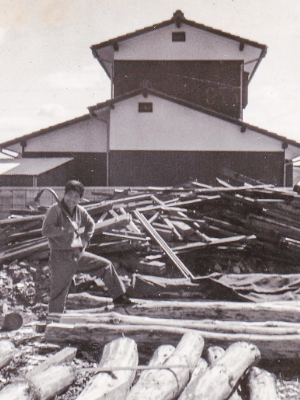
{"x":38,"y":196}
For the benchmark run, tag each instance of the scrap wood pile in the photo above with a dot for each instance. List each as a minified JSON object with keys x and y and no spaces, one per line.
{"x":186,"y":370}
{"x":189,"y":242}
{"x":170,"y":238}
{"x":183,"y":227}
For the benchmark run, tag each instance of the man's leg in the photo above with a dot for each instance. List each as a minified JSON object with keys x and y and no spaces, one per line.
{"x":103,"y":269}
{"x":63,"y":267}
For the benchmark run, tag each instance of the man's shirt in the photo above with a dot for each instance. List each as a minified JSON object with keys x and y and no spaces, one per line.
{"x":57,"y":228}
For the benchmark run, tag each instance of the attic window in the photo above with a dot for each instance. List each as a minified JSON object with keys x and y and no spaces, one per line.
{"x":178,"y":36}
{"x":146,"y":107}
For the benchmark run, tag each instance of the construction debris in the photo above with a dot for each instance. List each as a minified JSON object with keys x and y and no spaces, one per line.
{"x":216,"y":263}
{"x":179,"y":227}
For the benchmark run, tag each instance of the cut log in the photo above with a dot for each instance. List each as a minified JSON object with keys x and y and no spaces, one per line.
{"x":148,"y":338}
{"x":65,"y":355}
{"x":219,"y":380}
{"x":7,"y":352}
{"x":3,"y":308}
{"x":259,"y":328}
{"x":85,"y":300}
{"x":18,"y":391}
{"x":261,"y":385}
{"x":166,"y":384}
{"x":11,"y":321}
{"x":161,"y":354}
{"x":214,"y":310}
{"x":201,"y":367}
{"x":213,"y":354}
{"x":52,"y":381}
{"x":119,"y":353}
{"x":45,"y":381}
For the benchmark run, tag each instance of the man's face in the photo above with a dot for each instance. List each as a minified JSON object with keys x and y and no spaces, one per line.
{"x":71,"y":199}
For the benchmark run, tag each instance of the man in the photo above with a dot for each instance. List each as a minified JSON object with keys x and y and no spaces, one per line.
{"x":69,"y":228}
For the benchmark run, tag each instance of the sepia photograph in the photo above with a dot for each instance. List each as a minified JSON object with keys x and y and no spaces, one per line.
{"x":149,"y":200}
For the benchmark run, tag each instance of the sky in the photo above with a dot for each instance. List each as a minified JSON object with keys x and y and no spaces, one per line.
{"x":48,"y":74}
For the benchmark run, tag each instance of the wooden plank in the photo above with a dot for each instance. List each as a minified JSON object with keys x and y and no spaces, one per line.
{"x":176,"y":261}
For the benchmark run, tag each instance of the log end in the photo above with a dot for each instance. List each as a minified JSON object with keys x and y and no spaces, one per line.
{"x":12,"y":321}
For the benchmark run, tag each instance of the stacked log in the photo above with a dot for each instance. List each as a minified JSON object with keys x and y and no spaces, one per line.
{"x":221,"y":378}
{"x":168,"y":382}
{"x":119,"y":353}
{"x":274,"y":328}
{"x":181,"y":371}
{"x":261,"y":385}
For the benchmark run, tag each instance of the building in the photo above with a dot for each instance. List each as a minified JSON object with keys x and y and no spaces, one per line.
{"x":176,"y":113}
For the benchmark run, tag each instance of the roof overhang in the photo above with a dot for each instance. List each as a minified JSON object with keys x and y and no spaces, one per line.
{"x":31,"y":166}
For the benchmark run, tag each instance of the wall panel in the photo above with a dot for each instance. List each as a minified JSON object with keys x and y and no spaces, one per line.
{"x":163,"y":168}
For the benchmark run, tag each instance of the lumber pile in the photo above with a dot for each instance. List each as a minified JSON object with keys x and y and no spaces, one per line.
{"x":181,"y":227}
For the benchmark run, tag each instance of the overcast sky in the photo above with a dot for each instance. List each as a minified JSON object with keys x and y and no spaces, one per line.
{"x":49,"y":75}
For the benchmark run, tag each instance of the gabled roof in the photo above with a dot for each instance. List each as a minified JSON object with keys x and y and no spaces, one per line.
{"x":31,"y":166}
{"x":43,"y":131}
{"x":243,"y":125}
{"x":178,"y":18}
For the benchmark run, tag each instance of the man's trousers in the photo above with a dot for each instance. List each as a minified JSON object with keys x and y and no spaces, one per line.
{"x":65,"y":263}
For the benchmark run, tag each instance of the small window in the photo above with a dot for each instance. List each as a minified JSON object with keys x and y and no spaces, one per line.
{"x":145,"y":107}
{"x":178,"y":36}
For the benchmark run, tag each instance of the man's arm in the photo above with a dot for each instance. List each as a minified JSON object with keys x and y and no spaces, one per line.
{"x":51,"y":227}
{"x":89,"y":225}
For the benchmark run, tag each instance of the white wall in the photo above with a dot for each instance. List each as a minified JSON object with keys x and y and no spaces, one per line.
{"x":83,"y":136}
{"x":174,"y":127}
{"x":199,"y":45}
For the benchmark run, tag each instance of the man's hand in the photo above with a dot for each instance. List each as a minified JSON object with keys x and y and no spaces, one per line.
{"x":84,"y":244}
{"x":73,"y":227}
